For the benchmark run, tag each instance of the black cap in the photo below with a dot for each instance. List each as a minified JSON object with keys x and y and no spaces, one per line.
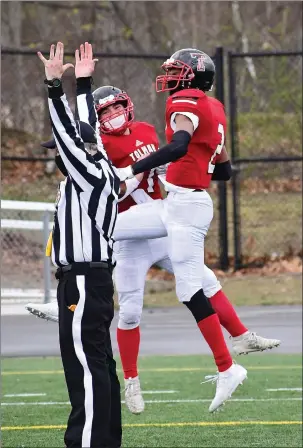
{"x":85,"y":130}
{"x":51,"y":144}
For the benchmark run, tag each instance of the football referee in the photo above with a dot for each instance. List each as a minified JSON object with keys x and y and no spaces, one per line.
{"x":82,"y":248}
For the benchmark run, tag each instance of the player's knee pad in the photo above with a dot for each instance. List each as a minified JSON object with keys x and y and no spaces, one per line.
{"x":199,"y":306}
{"x":129,"y":321}
{"x":183,"y":294}
{"x":186,"y":288}
{"x":211,"y":284}
{"x":130,"y":311}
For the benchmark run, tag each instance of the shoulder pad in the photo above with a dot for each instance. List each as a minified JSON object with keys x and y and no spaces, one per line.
{"x":189,"y":93}
{"x":215,"y":101}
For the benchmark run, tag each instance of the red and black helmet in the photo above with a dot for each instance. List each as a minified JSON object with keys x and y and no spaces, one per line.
{"x":196,"y":70}
{"x":106,"y":96}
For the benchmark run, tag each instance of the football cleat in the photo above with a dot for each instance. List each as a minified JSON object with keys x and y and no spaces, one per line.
{"x":227,"y":383}
{"x":47,"y":311}
{"x":251,"y":342}
{"x":133,"y":395}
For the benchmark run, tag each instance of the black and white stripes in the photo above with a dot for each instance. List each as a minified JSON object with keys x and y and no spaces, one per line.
{"x":87,"y":202}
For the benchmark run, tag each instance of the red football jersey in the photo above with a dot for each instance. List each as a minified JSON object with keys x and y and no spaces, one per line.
{"x":124,"y":150}
{"x":195,"y":169}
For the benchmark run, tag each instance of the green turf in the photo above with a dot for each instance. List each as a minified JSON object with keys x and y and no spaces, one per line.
{"x":253,"y":420}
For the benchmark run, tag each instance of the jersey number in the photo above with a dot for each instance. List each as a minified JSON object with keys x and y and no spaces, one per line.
{"x":150,"y":181}
{"x":211,"y":165}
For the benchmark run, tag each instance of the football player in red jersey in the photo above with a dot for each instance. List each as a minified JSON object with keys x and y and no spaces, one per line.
{"x":126,"y":140}
{"x":195,"y":132}
{"x":120,"y":135}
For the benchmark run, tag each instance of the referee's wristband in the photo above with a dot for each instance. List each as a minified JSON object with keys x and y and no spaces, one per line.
{"x":84,"y":85}
{"x":55,"y":92}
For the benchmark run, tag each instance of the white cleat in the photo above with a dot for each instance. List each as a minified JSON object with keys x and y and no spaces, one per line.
{"x":227,"y":383}
{"x":133,"y":395}
{"x":47,"y":311}
{"x":251,"y":342}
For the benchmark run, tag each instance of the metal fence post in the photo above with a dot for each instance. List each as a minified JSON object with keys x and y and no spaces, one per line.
{"x":235,"y":177}
{"x":47,"y":263}
{"x":222,"y":199}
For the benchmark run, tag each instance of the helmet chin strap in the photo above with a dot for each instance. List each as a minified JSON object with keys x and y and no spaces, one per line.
{"x":181,"y":87}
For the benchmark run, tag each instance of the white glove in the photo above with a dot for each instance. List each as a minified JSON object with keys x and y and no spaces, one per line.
{"x":125,"y":173}
{"x":131,"y":185}
{"x":161,"y":170}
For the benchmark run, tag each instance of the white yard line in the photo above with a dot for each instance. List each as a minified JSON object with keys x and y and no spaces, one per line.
{"x":24,"y":395}
{"x":233,"y":399}
{"x":296,"y":389}
{"x":206,"y":400}
{"x":160,"y":391}
{"x":37,"y":403}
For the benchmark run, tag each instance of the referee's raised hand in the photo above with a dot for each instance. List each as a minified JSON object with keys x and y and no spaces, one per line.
{"x":54,"y":67}
{"x":85,"y":62}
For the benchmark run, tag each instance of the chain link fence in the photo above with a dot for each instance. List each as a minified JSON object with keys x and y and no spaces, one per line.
{"x":265,"y":109}
{"x":25,"y":272}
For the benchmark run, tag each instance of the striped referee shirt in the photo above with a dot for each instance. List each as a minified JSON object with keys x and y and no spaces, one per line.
{"x":86,"y":205}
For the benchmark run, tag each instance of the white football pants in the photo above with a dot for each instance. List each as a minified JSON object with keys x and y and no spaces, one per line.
{"x":141,"y":232}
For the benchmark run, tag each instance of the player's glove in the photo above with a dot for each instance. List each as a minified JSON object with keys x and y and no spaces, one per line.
{"x":161,"y":170}
{"x":125,"y":173}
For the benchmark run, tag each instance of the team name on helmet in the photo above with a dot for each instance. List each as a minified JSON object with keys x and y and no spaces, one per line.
{"x":108,"y":99}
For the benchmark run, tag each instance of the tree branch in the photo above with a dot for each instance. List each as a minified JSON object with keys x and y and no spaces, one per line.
{"x":237,"y":21}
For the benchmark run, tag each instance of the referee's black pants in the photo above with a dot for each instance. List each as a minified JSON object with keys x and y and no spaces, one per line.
{"x":86,"y":309}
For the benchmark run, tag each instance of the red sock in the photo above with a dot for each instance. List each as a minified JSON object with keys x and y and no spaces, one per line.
{"x":128,"y":342}
{"x":227,"y":314}
{"x":212,"y":332}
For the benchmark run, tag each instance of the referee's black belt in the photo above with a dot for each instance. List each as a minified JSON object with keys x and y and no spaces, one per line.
{"x":82,"y":268}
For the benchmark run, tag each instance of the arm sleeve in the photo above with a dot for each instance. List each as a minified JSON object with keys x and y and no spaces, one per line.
{"x":222,"y":171}
{"x":171,"y":152}
{"x":79,"y":163}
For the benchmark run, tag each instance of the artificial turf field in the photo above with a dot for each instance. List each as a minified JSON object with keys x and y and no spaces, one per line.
{"x":176,"y":412}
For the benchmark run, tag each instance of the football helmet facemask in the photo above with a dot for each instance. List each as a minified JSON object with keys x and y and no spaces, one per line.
{"x":115,"y":123}
{"x":187,"y":69}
